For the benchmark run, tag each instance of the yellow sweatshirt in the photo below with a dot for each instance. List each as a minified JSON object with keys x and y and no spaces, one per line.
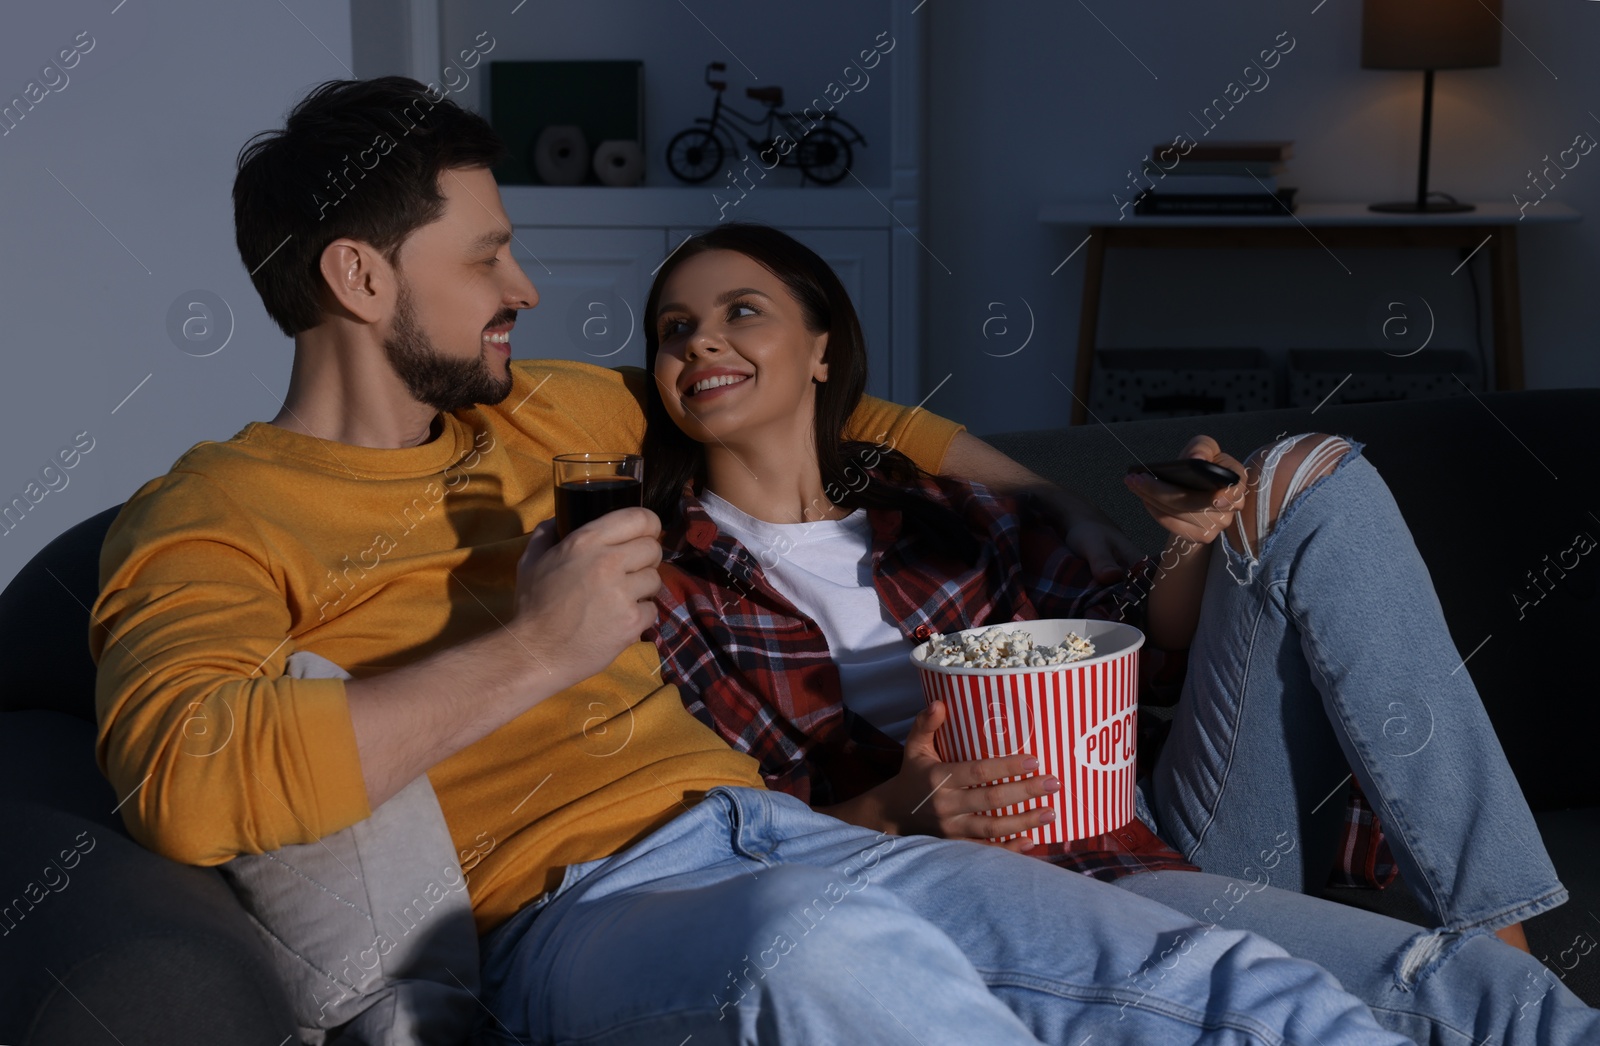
{"x":273,"y":541}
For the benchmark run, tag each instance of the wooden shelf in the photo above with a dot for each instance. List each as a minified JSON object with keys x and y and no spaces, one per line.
{"x":1311,"y":215}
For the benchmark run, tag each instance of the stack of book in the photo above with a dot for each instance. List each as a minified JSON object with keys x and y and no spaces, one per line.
{"x":1216,"y":178}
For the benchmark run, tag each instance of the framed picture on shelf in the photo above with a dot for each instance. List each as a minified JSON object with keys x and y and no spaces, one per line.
{"x":548,"y":113}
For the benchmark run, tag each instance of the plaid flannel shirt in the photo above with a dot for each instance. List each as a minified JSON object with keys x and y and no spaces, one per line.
{"x":758,"y":672}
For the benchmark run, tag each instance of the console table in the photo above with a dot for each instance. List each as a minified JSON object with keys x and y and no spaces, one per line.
{"x":1493,"y":225}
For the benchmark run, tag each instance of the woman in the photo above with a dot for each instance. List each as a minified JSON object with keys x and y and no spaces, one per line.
{"x":800,"y":571}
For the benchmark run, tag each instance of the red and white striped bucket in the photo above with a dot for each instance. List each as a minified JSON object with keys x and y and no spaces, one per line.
{"x":1078,"y":719}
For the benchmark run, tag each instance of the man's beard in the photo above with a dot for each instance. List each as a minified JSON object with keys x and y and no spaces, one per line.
{"x":445,"y":384}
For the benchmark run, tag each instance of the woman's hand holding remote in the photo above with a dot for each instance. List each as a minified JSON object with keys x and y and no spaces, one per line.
{"x":1194,"y":515}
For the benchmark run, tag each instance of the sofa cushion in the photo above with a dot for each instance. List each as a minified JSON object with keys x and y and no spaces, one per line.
{"x":370,"y":927}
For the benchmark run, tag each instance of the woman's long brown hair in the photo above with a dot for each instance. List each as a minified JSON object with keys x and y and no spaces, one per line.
{"x":673,"y":458}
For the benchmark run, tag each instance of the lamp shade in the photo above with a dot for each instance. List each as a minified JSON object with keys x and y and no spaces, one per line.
{"x":1430,"y":34}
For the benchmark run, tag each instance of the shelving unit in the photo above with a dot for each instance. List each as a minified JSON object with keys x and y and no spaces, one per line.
{"x":591,"y":250}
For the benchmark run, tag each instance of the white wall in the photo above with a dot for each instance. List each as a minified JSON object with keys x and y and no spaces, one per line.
{"x":1030,"y":101}
{"x":1034,"y":101}
{"x":142,"y":139}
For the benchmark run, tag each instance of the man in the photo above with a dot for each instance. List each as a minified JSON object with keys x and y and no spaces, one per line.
{"x":641,"y":886}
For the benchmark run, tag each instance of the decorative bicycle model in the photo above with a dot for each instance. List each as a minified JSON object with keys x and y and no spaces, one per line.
{"x":822,"y":149}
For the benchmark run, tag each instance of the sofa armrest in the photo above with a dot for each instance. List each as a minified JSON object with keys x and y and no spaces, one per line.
{"x":99,"y":934}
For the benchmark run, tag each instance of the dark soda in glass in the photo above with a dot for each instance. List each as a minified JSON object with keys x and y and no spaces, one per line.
{"x":585,"y":500}
{"x":590,"y":484}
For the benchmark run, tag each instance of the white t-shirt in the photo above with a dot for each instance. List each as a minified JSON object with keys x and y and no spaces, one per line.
{"x":825,"y":569}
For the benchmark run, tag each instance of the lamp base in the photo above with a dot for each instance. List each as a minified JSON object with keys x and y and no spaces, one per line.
{"x":1431,"y":207}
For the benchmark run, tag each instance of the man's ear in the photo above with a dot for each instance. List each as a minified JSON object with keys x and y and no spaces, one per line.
{"x":819,"y":366}
{"x":359,"y":278}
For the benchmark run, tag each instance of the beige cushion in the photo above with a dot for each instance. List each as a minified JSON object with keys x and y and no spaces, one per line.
{"x":370,"y":927}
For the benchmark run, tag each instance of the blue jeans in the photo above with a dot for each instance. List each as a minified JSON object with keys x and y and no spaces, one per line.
{"x":1329,"y":654}
{"x":1437,"y":987}
{"x":752,"y":918}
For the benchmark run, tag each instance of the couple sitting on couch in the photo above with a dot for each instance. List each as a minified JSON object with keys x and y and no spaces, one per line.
{"x":655,"y":889}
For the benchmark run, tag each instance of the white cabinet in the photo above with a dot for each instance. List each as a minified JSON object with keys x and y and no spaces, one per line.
{"x":592,"y":283}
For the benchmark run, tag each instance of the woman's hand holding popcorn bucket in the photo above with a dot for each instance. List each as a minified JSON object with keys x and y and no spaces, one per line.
{"x":1071,"y":724}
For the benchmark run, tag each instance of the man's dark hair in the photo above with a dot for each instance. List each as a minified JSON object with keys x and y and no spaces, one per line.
{"x":358,"y":159}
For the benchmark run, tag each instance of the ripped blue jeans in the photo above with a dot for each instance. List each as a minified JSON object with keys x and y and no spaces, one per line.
{"x":1322,"y":652}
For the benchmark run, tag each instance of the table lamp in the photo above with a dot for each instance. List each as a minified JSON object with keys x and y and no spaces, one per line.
{"x":1429,"y":35}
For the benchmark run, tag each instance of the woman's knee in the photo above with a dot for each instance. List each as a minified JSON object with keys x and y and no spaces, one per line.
{"x":1278,"y":472}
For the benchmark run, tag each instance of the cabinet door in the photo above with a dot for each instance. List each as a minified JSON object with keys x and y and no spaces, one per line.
{"x":592,"y":285}
{"x":861,"y":258}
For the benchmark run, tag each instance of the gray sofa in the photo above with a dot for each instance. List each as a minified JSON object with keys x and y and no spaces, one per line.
{"x":121,"y":941}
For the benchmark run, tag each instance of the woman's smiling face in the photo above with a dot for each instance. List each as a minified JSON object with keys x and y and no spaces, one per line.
{"x":736,"y":358}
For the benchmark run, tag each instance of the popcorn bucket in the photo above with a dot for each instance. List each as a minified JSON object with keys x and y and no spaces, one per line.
{"x":1079,"y":719}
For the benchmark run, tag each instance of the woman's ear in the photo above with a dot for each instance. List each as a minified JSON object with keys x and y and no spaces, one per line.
{"x":819,"y":359}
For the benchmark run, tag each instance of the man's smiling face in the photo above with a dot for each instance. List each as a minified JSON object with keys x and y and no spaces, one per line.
{"x":458,"y":294}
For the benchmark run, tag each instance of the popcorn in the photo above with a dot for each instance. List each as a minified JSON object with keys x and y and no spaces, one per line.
{"x":997,"y":648}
